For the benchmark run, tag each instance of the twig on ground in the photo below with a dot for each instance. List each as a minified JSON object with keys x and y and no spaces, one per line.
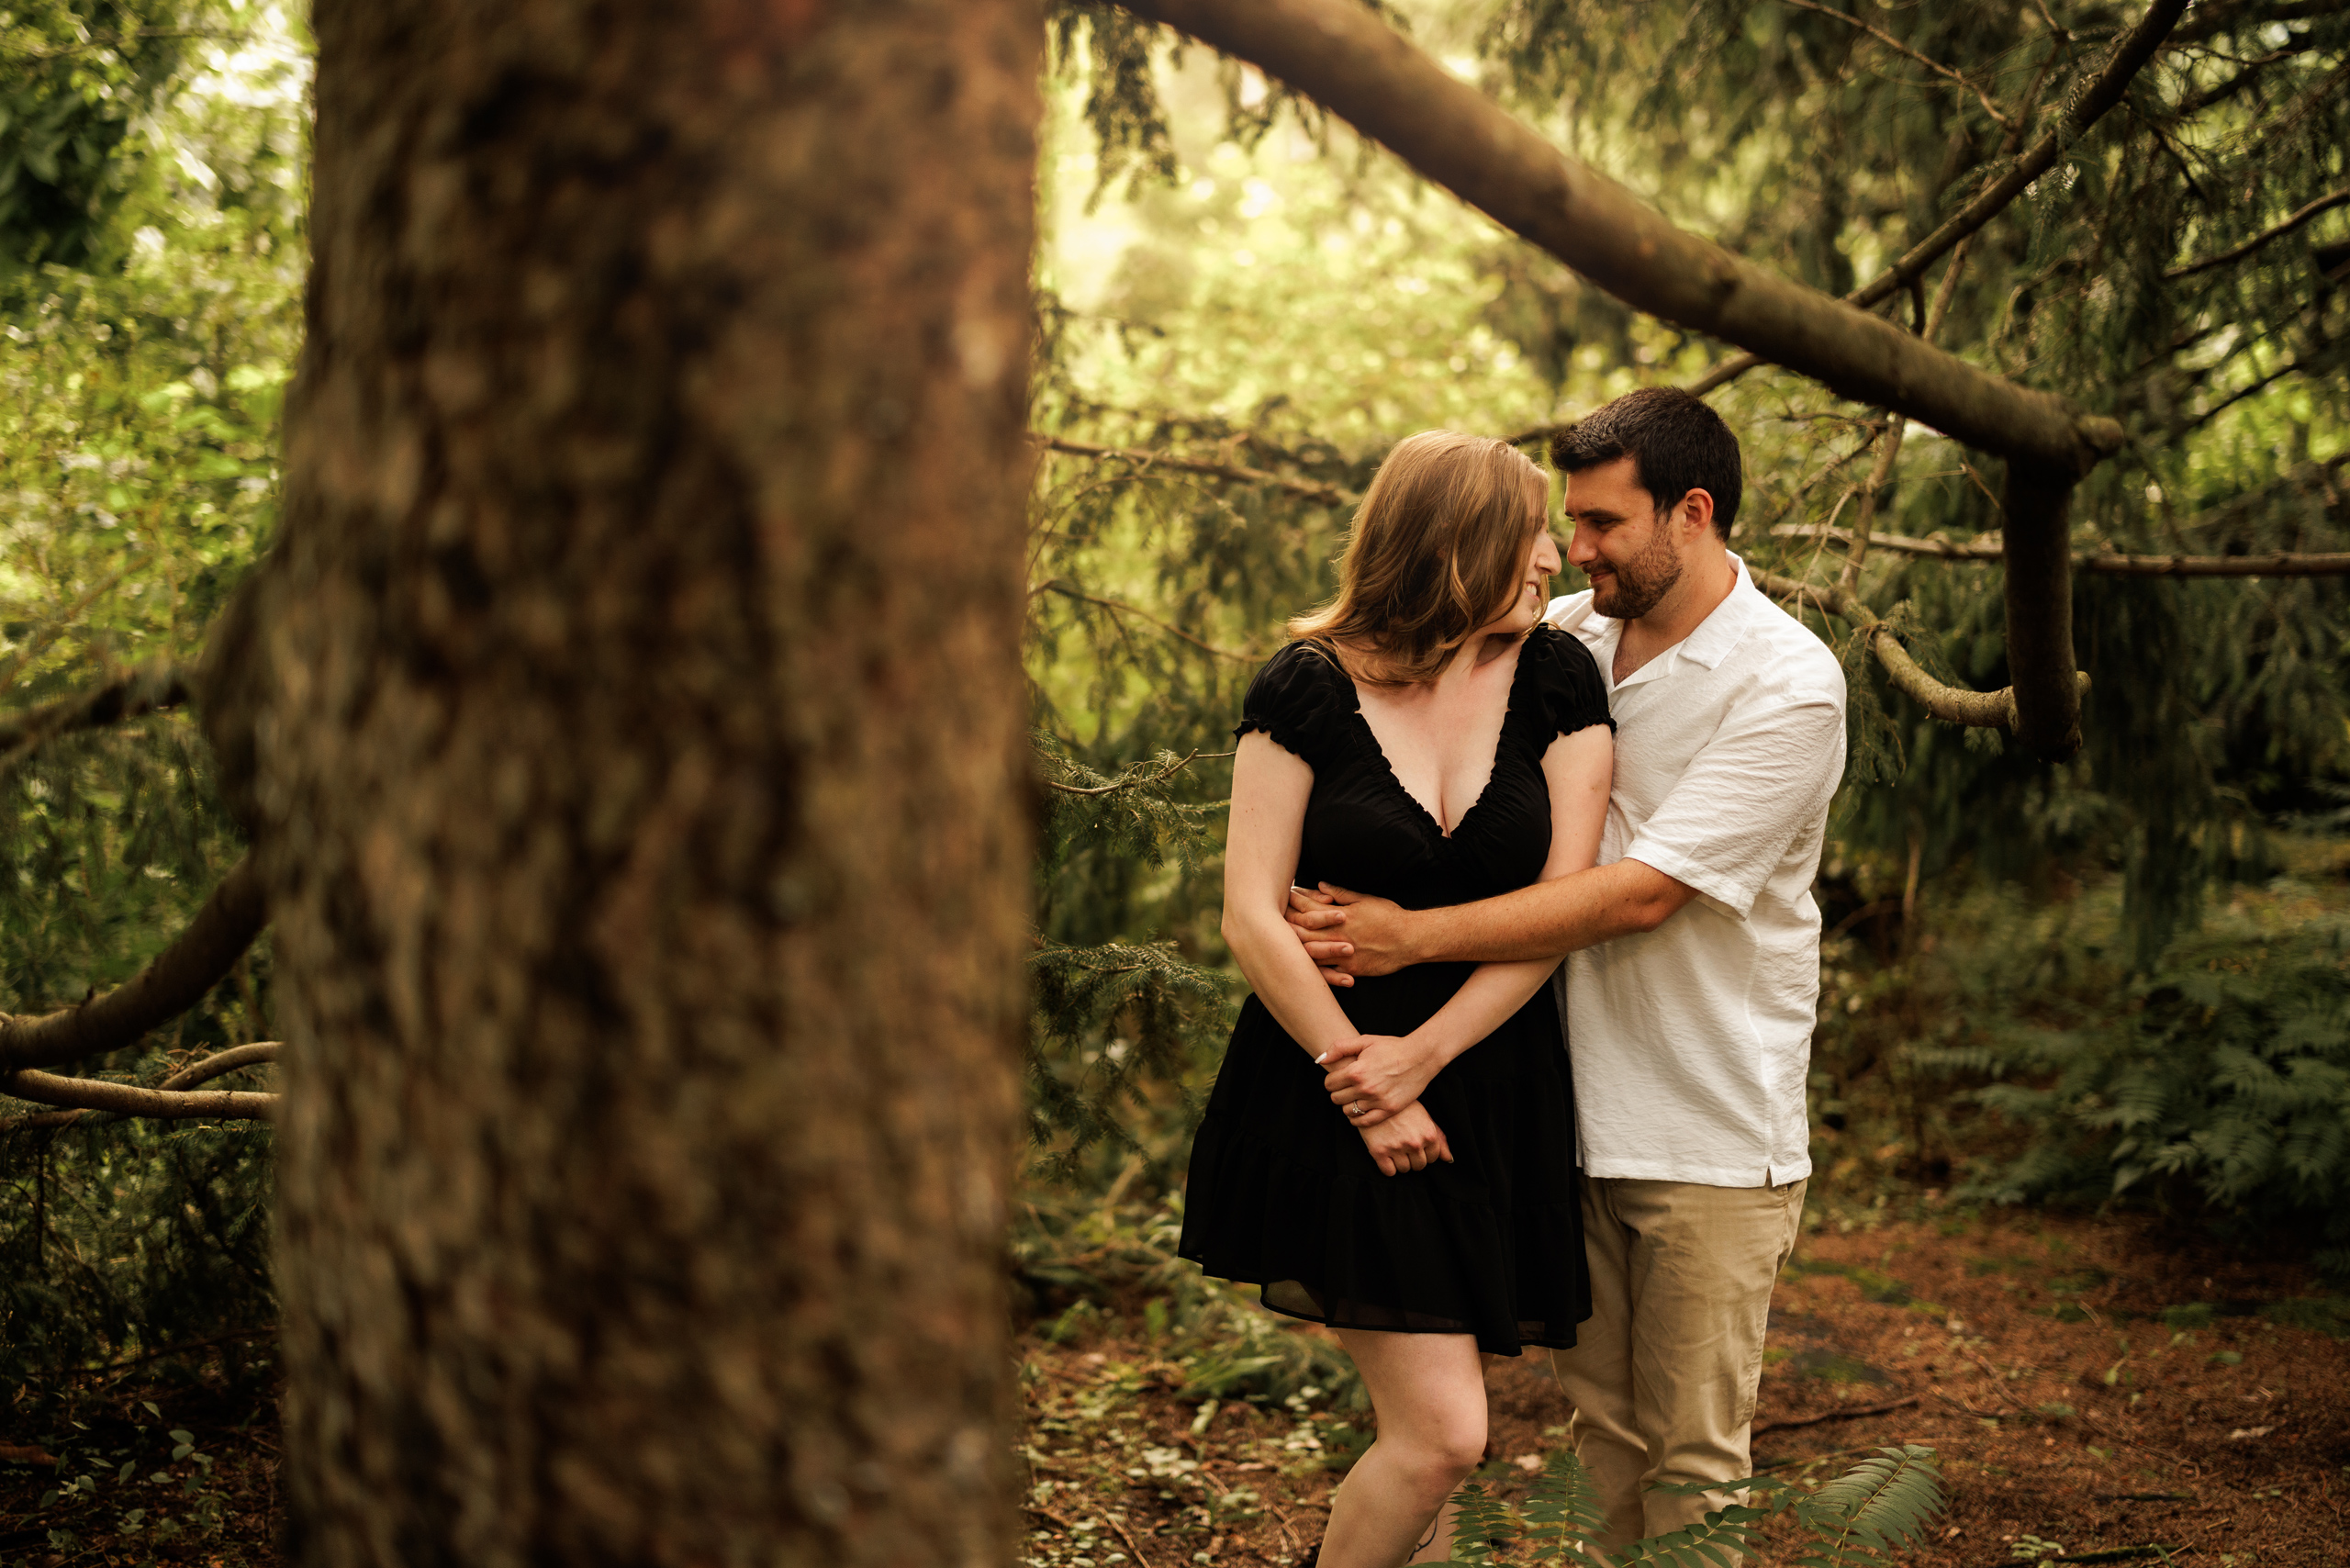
{"x":1140,"y":1561}
{"x":1837,"y":1414}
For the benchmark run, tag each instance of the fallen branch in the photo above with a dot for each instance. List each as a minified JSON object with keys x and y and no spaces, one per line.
{"x":1761,"y":1427}
{"x":1142,"y":458}
{"x":1345,"y":57}
{"x":173,"y":981}
{"x":214,"y":1065}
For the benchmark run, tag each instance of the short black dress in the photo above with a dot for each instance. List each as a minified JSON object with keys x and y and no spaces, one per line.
{"x":1283,"y":1193}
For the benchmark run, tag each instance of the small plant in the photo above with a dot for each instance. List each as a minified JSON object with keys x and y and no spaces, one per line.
{"x":1858,"y":1520}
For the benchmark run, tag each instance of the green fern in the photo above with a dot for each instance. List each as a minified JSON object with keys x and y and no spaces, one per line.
{"x":1858,"y":1520}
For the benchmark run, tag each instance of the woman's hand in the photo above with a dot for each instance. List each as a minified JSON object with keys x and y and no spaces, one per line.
{"x":1409,"y":1141}
{"x":1383,"y":1073}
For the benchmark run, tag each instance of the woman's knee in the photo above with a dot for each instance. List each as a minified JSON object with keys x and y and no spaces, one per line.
{"x":1445,"y":1452}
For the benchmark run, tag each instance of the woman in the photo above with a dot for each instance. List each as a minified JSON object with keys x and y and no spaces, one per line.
{"x":1425,"y":739}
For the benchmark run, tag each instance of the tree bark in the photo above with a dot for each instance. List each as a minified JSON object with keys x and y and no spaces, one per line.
{"x":632,"y":722}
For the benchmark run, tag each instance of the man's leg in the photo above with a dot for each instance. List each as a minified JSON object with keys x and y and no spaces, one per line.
{"x":1597,"y":1372}
{"x":1703,"y":1262}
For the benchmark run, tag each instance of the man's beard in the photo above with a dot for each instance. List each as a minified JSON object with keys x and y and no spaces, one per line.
{"x":1635,"y":588}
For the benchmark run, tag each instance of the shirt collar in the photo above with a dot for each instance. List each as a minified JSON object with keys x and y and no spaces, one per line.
{"x":1710,"y":644}
{"x":1718,"y":633}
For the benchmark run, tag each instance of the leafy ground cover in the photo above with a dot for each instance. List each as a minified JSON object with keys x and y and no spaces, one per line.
{"x":2098,"y":1390}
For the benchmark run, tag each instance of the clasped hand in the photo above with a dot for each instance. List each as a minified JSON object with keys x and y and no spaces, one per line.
{"x":1383,"y":1073}
{"x":1409,"y":1141}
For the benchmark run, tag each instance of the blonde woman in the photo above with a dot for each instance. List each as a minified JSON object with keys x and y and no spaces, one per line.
{"x":1428,"y":740}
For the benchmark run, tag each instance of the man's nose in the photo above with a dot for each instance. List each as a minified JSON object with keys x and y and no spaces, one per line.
{"x":1582,"y":549}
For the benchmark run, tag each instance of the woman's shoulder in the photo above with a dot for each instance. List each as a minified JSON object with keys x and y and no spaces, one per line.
{"x":1296,"y":697}
{"x":1565,"y":678}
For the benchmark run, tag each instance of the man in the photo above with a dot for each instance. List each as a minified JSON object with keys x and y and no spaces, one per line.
{"x":1693,"y":966}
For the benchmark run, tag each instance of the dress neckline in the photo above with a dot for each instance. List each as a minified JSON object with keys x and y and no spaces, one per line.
{"x":1501,"y":738}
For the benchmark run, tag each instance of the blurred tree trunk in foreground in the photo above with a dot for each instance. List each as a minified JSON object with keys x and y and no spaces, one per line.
{"x":631,"y":721}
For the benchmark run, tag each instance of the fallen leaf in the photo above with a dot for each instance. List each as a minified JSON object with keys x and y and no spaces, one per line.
{"x":1529,"y":1462}
{"x":2242,"y":1432}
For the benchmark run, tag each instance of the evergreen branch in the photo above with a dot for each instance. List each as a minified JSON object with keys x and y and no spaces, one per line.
{"x":150,"y":689}
{"x":1145,"y":459}
{"x":1054,"y":585}
{"x":1355,"y":64}
{"x":2300,"y":215}
{"x":1174,"y":765}
{"x":2129,"y":55}
{"x":1894,"y":44}
{"x":2105,"y":563}
{"x":130,"y":1100}
{"x":173,"y":981}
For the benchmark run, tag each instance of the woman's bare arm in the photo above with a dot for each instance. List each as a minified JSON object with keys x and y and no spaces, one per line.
{"x":1391,"y":1074}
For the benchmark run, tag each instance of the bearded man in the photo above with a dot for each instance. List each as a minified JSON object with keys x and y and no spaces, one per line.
{"x":1692,"y":973}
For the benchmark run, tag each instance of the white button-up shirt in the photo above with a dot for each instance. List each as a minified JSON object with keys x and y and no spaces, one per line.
{"x":1692,"y":1043}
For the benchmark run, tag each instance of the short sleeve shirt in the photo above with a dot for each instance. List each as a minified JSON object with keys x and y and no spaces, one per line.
{"x":1692,"y":1043}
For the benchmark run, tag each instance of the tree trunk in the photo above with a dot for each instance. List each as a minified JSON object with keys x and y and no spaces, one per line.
{"x":633,"y":718}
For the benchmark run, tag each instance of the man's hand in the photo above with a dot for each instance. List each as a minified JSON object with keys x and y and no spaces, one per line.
{"x":1409,"y":1142}
{"x":1384,"y":1073}
{"x":1347,"y":935}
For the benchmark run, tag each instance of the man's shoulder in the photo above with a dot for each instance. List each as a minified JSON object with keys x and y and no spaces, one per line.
{"x":1790,"y":656}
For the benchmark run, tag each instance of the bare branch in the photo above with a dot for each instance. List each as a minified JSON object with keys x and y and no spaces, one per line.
{"x":221,"y":1063}
{"x":2326,"y":203}
{"x":1347,"y":58}
{"x":2128,"y":57}
{"x":149,"y":689}
{"x":1894,"y":44}
{"x":1328,"y":495}
{"x":2103,"y":562}
{"x":129,"y":1100}
{"x":1054,"y":585}
{"x":175,"y":982}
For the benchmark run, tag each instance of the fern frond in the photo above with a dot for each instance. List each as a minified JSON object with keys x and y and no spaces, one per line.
{"x":1482,"y":1524}
{"x":1566,"y":1511}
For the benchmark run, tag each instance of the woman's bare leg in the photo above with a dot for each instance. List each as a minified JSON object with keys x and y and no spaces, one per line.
{"x":1429,"y":1392}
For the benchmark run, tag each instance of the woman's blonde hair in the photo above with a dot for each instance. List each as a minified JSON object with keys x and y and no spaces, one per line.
{"x":1434,"y":553}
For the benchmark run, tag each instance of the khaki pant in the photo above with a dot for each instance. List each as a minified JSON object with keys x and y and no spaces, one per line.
{"x":1663,"y":1376}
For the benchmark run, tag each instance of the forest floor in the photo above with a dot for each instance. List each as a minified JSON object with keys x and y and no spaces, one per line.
{"x":2097,"y":1390}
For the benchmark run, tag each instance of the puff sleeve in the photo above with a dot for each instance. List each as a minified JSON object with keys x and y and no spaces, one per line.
{"x":1569,"y":693}
{"x":1298,"y":699}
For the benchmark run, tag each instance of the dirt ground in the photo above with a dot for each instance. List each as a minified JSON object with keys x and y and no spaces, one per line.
{"x":2097,"y":1391}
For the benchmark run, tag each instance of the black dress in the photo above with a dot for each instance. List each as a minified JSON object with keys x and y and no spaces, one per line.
{"x":1283,"y":1193}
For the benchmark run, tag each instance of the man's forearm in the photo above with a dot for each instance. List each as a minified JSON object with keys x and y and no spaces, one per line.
{"x":1548,"y":920}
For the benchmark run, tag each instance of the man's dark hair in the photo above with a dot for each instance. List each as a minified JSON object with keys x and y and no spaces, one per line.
{"x":1676,"y":444}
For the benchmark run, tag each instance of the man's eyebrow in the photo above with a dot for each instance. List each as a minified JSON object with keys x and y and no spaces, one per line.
{"x":1593,"y":514}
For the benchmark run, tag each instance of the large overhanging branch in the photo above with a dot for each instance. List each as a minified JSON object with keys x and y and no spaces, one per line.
{"x":2101,"y":563}
{"x":1953,"y":704}
{"x":1345,"y":57}
{"x":175,"y":1099}
{"x":1342,"y":56}
{"x":175,"y":982}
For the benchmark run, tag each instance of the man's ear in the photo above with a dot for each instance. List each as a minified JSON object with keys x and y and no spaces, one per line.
{"x":1696,"y":512}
